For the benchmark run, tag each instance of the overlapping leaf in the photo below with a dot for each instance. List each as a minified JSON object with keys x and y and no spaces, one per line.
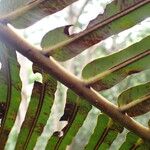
{"x":103,"y":73}
{"x":10,"y":91}
{"x":136,"y":100}
{"x":76,"y":110}
{"x":38,"y":112}
{"x":23,"y":13}
{"x":104,"y":134}
{"x":133,"y":142}
{"x":119,"y":16}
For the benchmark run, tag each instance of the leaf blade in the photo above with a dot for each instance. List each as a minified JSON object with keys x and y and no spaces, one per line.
{"x":77,"y":43}
{"x":135,"y":101}
{"x":134,"y":142}
{"x":12,"y":81}
{"x":38,"y":112}
{"x":76,"y":110}
{"x":104,"y":134}
{"x":22,"y":14}
{"x":105,"y":72}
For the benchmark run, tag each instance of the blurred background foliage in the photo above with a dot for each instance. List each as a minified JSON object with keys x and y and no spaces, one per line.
{"x":78,"y":14}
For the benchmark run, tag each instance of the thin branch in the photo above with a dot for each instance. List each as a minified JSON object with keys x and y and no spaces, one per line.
{"x":52,"y":67}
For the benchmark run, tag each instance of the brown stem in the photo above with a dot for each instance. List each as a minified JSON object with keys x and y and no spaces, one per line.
{"x":52,"y":67}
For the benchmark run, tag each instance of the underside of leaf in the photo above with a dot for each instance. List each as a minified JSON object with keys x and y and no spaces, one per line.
{"x":24,"y":13}
{"x":38,"y":111}
{"x":105,"y":72}
{"x":99,"y":29}
{"x":136,"y":100}
{"x":10,"y":91}
{"x":76,"y":110}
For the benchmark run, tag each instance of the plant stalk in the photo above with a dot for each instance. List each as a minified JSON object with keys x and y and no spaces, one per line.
{"x":8,"y":36}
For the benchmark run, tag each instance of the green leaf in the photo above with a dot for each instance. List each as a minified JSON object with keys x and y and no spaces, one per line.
{"x":136,"y":100}
{"x":23,"y":13}
{"x":10,"y":91}
{"x":104,"y":134}
{"x":101,"y":64}
{"x":50,"y":39}
{"x":105,"y":72}
{"x":99,"y":29}
{"x":133,"y":142}
{"x":3,"y":83}
{"x":76,"y":110}
{"x":38,"y":111}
